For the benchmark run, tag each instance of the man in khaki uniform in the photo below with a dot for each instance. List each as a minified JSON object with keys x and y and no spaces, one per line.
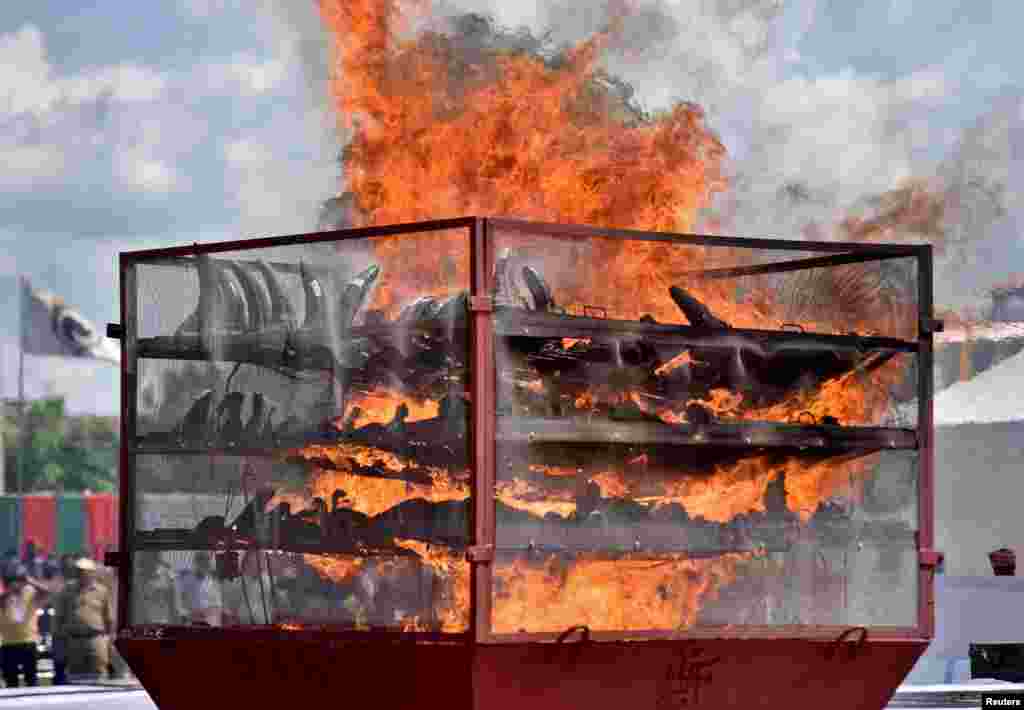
{"x":84,"y":619}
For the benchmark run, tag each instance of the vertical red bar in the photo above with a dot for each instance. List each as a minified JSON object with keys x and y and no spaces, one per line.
{"x":126,"y":474}
{"x":482,"y":378}
{"x":926,"y":436}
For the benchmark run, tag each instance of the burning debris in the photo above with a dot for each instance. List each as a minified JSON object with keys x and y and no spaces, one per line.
{"x":621,"y":442}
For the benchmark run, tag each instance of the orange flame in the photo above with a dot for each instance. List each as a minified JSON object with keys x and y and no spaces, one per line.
{"x":511,"y":134}
{"x":608,"y":595}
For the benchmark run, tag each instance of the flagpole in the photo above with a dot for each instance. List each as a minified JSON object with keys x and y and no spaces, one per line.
{"x":22,"y":430}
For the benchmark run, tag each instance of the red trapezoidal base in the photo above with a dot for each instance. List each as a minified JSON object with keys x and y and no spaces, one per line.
{"x":217,"y":671}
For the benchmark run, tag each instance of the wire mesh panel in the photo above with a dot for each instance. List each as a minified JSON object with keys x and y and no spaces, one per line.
{"x":302,"y":418}
{"x":701,"y":435}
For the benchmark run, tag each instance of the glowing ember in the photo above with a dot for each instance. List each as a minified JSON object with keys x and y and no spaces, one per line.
{"x":523,"y":495}
{"x":683,"y":358}
{"x":372,"y":495}
{"x":380,"y":406}
{"x":336,"y":568}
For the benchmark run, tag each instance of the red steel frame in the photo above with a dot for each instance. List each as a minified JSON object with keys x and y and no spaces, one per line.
{"x":480,"y":237}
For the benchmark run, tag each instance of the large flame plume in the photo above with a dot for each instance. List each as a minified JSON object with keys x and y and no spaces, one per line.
{"x":436,"y":132}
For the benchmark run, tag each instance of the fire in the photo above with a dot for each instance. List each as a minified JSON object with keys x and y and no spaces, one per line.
{"x":721,"y":402}
{"x":435,"y":134}
{"x":522,"y":495}
{"x":612,"y":485}
{"x":605,"y":594}
{"x":731,"y":491}
{"x":541,"y":147}
{"x":680,"y":360}
{"x":454,"y":571}
{"x":373,"y":495}
{"x":379,"y":406}
{"x":336,"y":568}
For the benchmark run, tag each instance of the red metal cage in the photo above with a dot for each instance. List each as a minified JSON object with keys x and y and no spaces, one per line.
{"x":741,"y":657}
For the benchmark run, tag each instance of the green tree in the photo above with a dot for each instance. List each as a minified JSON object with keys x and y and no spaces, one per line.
{"x":60,"y":453}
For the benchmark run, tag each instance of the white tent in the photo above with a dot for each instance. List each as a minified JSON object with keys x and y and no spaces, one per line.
{"x":996,"y":395}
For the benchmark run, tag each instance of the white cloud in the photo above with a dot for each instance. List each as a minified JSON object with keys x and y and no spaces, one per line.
{"x":150,"y":175}
{"x":138,"y":163}
{"x":247,"y":153}
{"x":28,"y":164}
{"x":256,"y":77}
{"x":27,"y":83}
{"x":207,"y":8}
{"x":48,"y":124}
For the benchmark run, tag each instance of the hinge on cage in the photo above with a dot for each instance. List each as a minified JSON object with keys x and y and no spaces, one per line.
{"x":113,"y":558}
{"x":115,"y":331}
{"x":480,"y":553}
{"x":930,"y":559}
{"x":930,"y":326}
{"x":481,"y":304}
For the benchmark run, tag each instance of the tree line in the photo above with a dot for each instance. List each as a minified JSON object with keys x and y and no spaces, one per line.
{"x":59,"y":452}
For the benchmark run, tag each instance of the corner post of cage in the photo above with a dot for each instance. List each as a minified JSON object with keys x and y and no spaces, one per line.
{"x":126,"y":474}
{"x":926,"y":443}
{"x":483,"y":407}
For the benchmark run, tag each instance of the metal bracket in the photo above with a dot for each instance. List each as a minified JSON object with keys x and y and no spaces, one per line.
{"x":113,"y":558}
{"x":930,"y":559}
{"x":115,"y":331}
{"x":481,"y":304}
{"x":930,"y":326}
{"x":480,"y":553}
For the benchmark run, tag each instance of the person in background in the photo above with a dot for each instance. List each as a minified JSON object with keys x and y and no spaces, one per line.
{"x":19,"y":625}
{"x":155,"y":597}
{"x":200,"y":599}
{"x":254,"y":598}
{"x":118,"y":668}
{"x":66,"y":574}
{"x":84,"y":619}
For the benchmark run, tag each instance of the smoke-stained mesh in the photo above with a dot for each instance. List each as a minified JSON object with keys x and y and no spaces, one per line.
{"x":763,"y":541}
{"x":701,"y":436}
{"x":305,"y":408}
{"x":674,"y":283}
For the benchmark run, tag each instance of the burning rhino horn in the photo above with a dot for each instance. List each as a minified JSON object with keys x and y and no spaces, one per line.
{"x":212,"y":310}
{"x":420,"y":309}
{"x":695,"y":311}
{"x":313,"y":288}
{"x":193,"y":427}
{"x":454,"y":309}
{"x":237,"y":315}
{"x":281,"y":311}
{"x":505,"y":288}
{"x":229,"y":415}
{"x":254,"y":427}
{"x":538,"y":288}
{"x":258,"y":302}
{"x":354,"y":296}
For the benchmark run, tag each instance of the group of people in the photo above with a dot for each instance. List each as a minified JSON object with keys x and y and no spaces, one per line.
{"x":257,"y":588}
{"x":81,"y":598}
{"x":199,"y":595}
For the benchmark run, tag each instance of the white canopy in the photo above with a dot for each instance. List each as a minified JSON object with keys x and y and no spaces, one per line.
{"x":995,"y":395}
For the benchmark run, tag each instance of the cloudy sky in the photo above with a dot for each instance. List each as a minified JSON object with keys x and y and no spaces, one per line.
{"x":133,"y":125}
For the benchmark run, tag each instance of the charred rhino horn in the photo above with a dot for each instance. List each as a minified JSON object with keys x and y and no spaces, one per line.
{"x":696,"y":312}
{"x":538,"y":288}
